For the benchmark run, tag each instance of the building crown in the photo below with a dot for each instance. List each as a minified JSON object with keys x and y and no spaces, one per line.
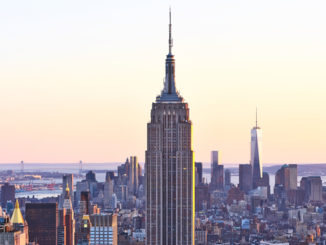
{"x":17,"y":217}
{"x":169,"y":92}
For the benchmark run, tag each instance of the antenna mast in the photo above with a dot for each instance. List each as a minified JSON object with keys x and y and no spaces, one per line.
{"x":256,"y":117}
{"x":170,"y":33}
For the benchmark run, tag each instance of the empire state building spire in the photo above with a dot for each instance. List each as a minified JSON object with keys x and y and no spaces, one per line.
{"x":169,"y":92}
{"x":170,"y":35}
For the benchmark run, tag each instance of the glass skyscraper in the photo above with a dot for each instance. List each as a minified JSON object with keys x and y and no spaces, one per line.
{"x":256,"y":152}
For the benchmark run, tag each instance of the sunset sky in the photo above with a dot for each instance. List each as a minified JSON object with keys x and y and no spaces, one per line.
{"x":78,"y":78}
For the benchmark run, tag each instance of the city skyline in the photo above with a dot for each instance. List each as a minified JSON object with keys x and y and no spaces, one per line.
{"x":58,"y":105}
{"x":76,"y":83}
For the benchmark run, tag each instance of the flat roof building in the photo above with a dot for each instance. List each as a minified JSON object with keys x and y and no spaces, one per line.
{"x":42,"y":219}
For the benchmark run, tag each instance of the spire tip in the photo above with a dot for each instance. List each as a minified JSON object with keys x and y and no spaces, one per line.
{"x":256,"y":117}
{"x":170,"y":32}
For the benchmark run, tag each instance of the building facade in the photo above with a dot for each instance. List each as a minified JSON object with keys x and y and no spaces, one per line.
{"x":214,"y":158}
{"x":108,"y":192}
{"x":245,"y":177}
{"x":169,"y":166}
{"x":7,"y":194}
{"x":66,"y":228}
{"x":12,"y":238}
{"x":42,"y":219}
{"x":67,"y":179}
{"x":214,"y":170}
{"x":217,"y":181}
{"x":199,"y":173}
{"x":84,"y":230}
{"x":227,"y":179}
{"x":287,"y":176}
{"x":13,"y":231}
{"x":103,"y":229}
{"x":133,"y":175}
{"x":313,"y":188}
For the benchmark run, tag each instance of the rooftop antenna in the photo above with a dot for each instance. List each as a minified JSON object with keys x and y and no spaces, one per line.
{"x":170,"y":33}
{"x":256,"y":117}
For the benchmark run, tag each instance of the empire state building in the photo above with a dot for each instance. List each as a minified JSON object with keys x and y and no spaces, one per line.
{"x":169,"y":166}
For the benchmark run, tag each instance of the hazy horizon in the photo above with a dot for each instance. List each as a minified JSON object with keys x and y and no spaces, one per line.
{"x":78,"y":78}
{"x":206,"y":164}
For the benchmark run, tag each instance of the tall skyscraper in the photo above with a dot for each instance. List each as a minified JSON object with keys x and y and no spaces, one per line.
{"x":66,"y":229}
{"x":214,"y":158}
{"x":217,"y":172}
{"x":80,"y":187}
{"x":313,"y":188}
{"x":227,"y":179}
{"x":42,"y":220}
{"x":109,"y":175}
{"x":7,"y":194}
{"x":140,"y":173}
{"x":202,"y":200}
{"x":67,"y":179}
{"x":217,"y":182}
{"x":82,"y":230}
{"x":127,"y":167}
{"x":108,"y":192}
{"x":287,"y":176}
{"x":133,"y":175}
{"x":199,"y":173}
{"x":169,"y":166}
{"x":245,"y":177}
{"x":90,"y":176}
{"x":256,"y":148}
{"x":84,"y":203}
{"x":80,"y":167}
{"x":92,"y":183}
{"x":264,"y":182}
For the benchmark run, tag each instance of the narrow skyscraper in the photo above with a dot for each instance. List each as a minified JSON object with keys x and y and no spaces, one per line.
{"x":245,"y":177}
{"x":66,"y":228}
{"x":214,"y":158}
{"x":133,"y":175}
{"x":67,"y":179}
{"x":169,"y":166}
{"x":217,"y":172}
{"x":7,"y":194}
{"x":199,"y":173}
{"x":256,"y":148}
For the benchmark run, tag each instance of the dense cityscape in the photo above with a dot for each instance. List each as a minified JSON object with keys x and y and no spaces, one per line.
{"x":113,"y":211}
{"x":173,"y":199}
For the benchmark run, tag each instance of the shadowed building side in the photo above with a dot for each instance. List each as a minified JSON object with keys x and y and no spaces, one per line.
{"x":42,"y":219}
